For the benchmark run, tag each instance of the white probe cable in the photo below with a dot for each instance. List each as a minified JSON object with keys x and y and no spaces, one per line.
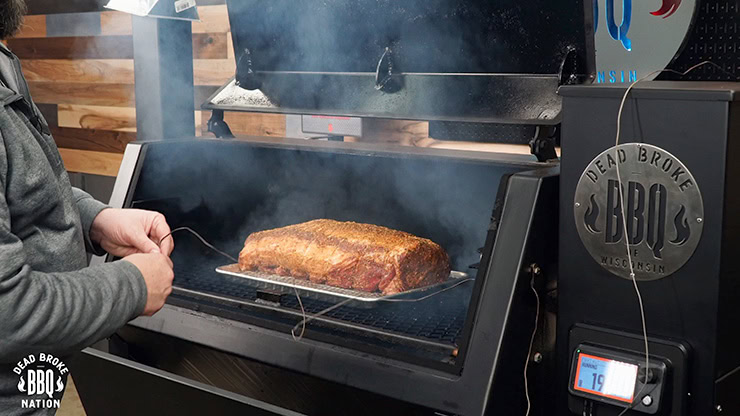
{"x":531,"y":342}
{"x":624,"y":216}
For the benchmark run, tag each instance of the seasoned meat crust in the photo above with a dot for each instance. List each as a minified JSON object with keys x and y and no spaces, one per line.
{"x":348,"y":255}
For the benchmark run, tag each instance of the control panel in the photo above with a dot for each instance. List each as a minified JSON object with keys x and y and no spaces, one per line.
{"x":617,"y":378}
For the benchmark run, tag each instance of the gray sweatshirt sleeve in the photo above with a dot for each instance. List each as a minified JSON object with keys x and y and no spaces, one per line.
{"x":89,"y":208}
{"x":60,"y":313}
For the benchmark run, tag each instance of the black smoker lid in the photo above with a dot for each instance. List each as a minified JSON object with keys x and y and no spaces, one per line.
{"x":472,"y":60}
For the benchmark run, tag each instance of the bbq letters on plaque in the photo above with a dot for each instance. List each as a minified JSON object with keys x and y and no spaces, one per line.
{"x":663,"y":207}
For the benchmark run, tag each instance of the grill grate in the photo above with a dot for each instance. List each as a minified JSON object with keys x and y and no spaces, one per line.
{"x":440,"y":318}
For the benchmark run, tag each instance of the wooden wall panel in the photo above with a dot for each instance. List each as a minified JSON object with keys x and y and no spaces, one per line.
{"x":33,"y":27}
{"x":205,"y":46}
{"x":115,"y":23}
{"x":96,"y":117}
{"x":102,"y":71}
{"x":213,"y":71}
{"x":213,"y":19}
{"x":94,"y":163}
{"x":80,"y":47}
{"x":96,"y":140}
{"x":210,"y":46}
{"x":64,"y":6}
{"x":249,"y":124}
{"x":403,"y":132}
{"x":73,"y":24}
{"x":112,"y":95}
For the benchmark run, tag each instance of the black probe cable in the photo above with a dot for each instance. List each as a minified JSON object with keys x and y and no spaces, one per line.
{"x":202,"y":240}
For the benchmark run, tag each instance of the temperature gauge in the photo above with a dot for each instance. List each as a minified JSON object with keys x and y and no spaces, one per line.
{"x":605,"y":377}
{"x":617,"y":378}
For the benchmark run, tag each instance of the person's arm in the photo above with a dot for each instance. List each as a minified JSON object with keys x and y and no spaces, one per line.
{"x":89,"y":208}
{"x":60,"y":313}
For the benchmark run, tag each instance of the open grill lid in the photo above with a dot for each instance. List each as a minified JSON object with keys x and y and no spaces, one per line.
{"x":474,"y":60}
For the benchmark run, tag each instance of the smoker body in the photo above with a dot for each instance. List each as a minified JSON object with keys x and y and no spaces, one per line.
{"x":460,"y":352}
{"x":463,"y":351}
{"x":691,"y":315}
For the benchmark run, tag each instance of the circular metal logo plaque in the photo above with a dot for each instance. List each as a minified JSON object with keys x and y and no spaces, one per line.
{"x":663,"y":207}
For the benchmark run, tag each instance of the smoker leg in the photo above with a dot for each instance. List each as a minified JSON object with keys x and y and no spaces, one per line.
{"x":218,"y":126}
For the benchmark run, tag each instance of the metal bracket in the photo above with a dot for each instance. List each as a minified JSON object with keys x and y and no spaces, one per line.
{"x":569,"y":67}
{"x":218,"y":126}
{"x":245,"y":75}
{"x":384,"y":79}
{"x":543,"y":143}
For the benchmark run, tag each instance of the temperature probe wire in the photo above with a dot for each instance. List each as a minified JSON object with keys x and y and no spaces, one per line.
{"x":624,"y":217}
{"x":531,"y":341}
{"x":202,"y":240}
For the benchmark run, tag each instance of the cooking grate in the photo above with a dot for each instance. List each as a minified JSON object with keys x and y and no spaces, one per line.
{"x":439,"y":318}
{"x":328,"y":293}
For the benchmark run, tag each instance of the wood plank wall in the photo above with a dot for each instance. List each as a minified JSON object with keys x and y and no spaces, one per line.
{"x":81,"y":74}
{"x":80,"y":71}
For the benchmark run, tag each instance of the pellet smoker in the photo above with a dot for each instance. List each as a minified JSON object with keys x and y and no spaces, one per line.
{"x":513,"y":226}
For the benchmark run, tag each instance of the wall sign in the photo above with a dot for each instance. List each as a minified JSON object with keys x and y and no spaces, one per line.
{"x":635,"y":38}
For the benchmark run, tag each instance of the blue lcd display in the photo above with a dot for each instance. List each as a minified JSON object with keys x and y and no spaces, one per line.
{"x":606,"y":378}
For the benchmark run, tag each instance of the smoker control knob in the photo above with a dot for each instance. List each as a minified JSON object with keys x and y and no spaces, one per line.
{"x":650,"y":375}
{"x":647,"y":400}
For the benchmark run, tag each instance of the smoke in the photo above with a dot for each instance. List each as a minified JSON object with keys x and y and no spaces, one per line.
{"x":228,"y":190}
{"x":424,"y":36}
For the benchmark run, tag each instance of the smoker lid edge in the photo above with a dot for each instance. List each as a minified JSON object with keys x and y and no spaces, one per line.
{"x":687,"y":90}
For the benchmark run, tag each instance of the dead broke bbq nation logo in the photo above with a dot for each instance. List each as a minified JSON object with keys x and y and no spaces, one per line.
{"x":41,"y":379}
{"x":663,"y":207}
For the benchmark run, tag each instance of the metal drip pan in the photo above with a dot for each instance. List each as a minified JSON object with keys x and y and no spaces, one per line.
{"x":284,"y":284}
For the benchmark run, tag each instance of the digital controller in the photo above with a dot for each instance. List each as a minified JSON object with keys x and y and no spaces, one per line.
{"x":617,"y":377}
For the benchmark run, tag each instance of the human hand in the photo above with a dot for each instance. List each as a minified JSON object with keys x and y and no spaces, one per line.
{"x":122,"y":232}
{"x":158,"y":275}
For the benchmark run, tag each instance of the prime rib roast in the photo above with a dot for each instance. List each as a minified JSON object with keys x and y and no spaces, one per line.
{"x":347,"y":254}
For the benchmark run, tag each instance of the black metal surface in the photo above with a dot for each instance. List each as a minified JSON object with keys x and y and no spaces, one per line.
{"x":471,"y":60}
{"x":712,"y":37}
{"x":517,"y":99}
{"x":73,"y":6}
{"x":261,"y":382}
{"x":156,"y":392}
{"x":697,"y":305}
{"x":218,"y":126}
{"x":481,"y":132}
{"x":435,"y":36}
{"x":674,"y":354}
